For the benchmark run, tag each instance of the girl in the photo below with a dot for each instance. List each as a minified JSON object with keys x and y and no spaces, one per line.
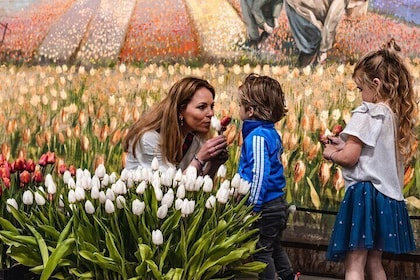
{"x":372,"y":149}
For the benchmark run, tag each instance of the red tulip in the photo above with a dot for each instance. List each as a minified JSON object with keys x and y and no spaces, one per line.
{"x":30,"y":165}
{"x":43,"y":160}
{"x":20,"y":164}
{"x":38,"y":177}
{"x":337,"y":129}
{"x":50,"y":157}
{"x":72,"y":170}
{"x":24,"y":178}
{"x":225,"y":121}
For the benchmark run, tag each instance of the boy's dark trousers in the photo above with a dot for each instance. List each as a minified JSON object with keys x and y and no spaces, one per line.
{"x":273,"y":221}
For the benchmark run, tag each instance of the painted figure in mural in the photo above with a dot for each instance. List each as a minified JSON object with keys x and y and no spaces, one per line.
{"x":262,"y":104}
{"x":261,"y":18}
{"x":175,"y":131}
{"x":313,"y":24}
{"x":372,"y":149}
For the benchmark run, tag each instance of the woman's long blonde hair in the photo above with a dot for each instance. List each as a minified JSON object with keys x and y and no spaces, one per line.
{"x":164,"y":118}
{"x":396,"y":90}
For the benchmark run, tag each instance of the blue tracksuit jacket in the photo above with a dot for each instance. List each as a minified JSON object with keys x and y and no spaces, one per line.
{"x":260,"y":162}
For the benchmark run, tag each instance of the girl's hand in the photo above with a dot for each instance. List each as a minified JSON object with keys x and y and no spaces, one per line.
{"x":337,"y":142}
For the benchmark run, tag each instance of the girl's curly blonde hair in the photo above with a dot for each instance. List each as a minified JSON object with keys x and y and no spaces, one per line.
{"x":396,"y":90}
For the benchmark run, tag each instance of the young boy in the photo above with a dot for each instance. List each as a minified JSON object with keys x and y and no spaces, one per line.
{"x":262,"y":104}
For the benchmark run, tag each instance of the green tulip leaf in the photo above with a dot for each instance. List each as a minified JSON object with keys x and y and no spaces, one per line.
{"x":25,"y":256}
{"x":43,"y":249}
{"x":10,"y":237}
{"x":145,"y":252}
{"x":7,"y":225}
{"x":50,"y":231}
{"x":63,"y":249}
{"x":155,"y":271}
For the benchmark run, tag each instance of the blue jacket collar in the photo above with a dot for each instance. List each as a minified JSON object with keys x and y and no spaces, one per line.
{"x":249,"y":125}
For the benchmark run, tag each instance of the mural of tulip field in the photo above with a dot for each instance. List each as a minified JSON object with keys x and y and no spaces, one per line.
{"x":74,"y":76}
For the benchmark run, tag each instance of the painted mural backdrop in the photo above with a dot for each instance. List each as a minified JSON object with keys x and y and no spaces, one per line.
{"x":75,"y":73}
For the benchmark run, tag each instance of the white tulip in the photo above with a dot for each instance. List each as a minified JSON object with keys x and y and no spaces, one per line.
{"x":141,"y":187}
{"x":168,"y":198}
{"x":180,"y":192}
{"x":119,"y":187}
{"x":244,"y":187}
{"x":120,"y":200}
{"x":162,"y":211}
{"x":102,"y":197}
{"x":71,"y":183}
{"x":292,"y":208}
{"x":125,"y":174}
{"x":110,"y":194}
{"x":158,"y":194}
{"x":95,"y":182}
{"x":72,"y":196}
{"x":225,"y":184}
{"x":94,"y":192}
{"x":109,"y":206}
{"x":208,"y":184}
{"x":112,"y":178}
{"x":178,"y":203}
{"x":39,"y":199}
{"x":215,"y":123}
{"x":11,"y":202}
{"x":86,"y":182}
{"x":100,"y":171}
{"x":211,"y":202}
{"x":178,"y":175}
{"x":130,"y":183}
{"x":61,"y":201}
{"x":191,"y":177}
{"x":187,"y":207}
{"x":236,"y":181}
{"x":155,"y":164}
{"x":222,"y":195}
{"x":105,"y":180}
{"x":221,"y":172}
{"x":137,"y":176}
{"x":137,"y":207}
{"x":89,"y":208}
{"x":28,"y":198}
{"x":66,"y":176}
{"x":198,"y":183}
{"x":157,"y":237}
{"x":80,"y":193}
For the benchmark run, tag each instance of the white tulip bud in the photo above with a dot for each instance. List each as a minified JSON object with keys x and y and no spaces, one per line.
{"x":208,"y":184}
{"x":94,"y":192}
{"x":39,"y":199}
{"x":11,"y":202}
{"x":72,"y":196}
{"x":221,"y":172}
{"x":236,"y":181}
{"x":102,"y":197}
{"x":28,"y":198}
{"x":66,"y":176}
{"x":89,"y":208}
{"x":110,"y":194}
{"x":100,"y":171}
{"x":222,"y":195}
{"x":119,"y":187}
{"x":178,"y":203}
{"x":215,"y":123}
{"x":180,"y":192}
{"x":120,"y":200}
{"x":137,"y":207}
{"x":80,"y":193}
{"x":168,"y":198}
{"x":244,"y":187}
{"x":211,"y":202}
{"x":95,"y":183}
{"x":71,"y":183}
{"x":141,"y":187}
{"x":178,"y":175}
{"x":105,"y":180}
{"x":112,"y":178}
{"x":162,"y":211}
{"x":155,"y":164}
{"x":158,"y":193}
{"x":157,"y":237}
{"x":109,"y":206}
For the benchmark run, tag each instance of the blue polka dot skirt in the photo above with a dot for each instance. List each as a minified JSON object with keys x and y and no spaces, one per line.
{"x":367,"y":219}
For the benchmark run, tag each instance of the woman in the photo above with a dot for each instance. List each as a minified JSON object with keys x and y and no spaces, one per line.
{"x":176,"y":130}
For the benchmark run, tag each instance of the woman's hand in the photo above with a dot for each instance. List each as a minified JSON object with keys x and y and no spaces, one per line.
{"x":214,"y":149}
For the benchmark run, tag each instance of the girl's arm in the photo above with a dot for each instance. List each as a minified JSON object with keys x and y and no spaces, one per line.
{"x":348,"y":156}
